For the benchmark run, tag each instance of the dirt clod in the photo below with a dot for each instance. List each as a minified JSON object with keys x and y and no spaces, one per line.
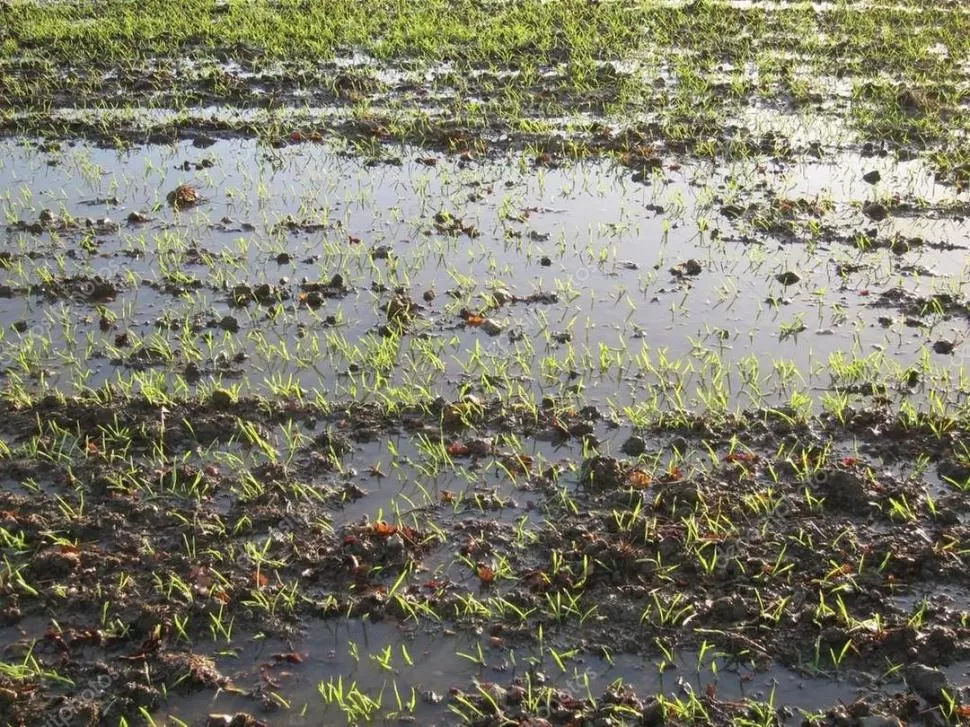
{"x":183,"y":197}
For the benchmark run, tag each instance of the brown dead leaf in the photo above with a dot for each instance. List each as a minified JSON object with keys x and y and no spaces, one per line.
{"x":639,"y":479}
{"x":486,"y":574}
{"x":385,"y":530}
{"x":458,"y":449}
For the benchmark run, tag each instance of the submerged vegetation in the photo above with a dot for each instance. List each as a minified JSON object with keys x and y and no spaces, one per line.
{"x":509,"y":362}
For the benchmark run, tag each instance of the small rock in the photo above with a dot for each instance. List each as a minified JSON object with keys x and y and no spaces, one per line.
{"x":138,"y":218}
{"x":787,"y":278}
{"x":871,"y":177}
{"x":943,"y":346}
{"x":491,"y":327}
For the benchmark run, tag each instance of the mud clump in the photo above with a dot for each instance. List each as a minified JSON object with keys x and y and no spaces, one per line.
{"x":687,"y":269}
{"x":601,"y":473}
{"x":843,"y":490}
{"x":183,"y":197}
{"x":400,"y":309}
{"x":315,"y":294}
{"x":927,"y":682}
{"x":634,"y":446}
{"x":449,"y":224}
{"x":875,"y":211}
{"x":264,"y":294}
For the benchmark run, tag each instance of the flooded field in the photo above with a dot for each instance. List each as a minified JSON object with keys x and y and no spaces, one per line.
{"x":484,"y":363}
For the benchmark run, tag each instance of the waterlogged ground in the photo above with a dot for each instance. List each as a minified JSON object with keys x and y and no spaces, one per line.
{"x":493,"y":363}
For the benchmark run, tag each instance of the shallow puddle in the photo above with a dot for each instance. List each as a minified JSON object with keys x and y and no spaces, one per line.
{"x":408,"y":675}
{"x":580,"y":271}
{"x":537,"y":363}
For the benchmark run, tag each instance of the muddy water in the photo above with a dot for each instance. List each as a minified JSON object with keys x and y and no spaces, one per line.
{"x":610,"y":249}
{"x":381,"y":659}
{"x":592,"y":275}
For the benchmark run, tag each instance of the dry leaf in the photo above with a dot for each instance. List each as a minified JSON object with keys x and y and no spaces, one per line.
{"x":458,"y":449}
{"x":744,"y":457}
{"x":639,"y":479}
{"x":385,"y":530}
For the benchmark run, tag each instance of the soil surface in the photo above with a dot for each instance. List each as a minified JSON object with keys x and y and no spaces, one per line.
{"x":493,"y":363}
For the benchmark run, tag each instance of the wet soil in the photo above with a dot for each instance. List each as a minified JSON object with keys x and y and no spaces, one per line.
{"x":601,"y":387}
